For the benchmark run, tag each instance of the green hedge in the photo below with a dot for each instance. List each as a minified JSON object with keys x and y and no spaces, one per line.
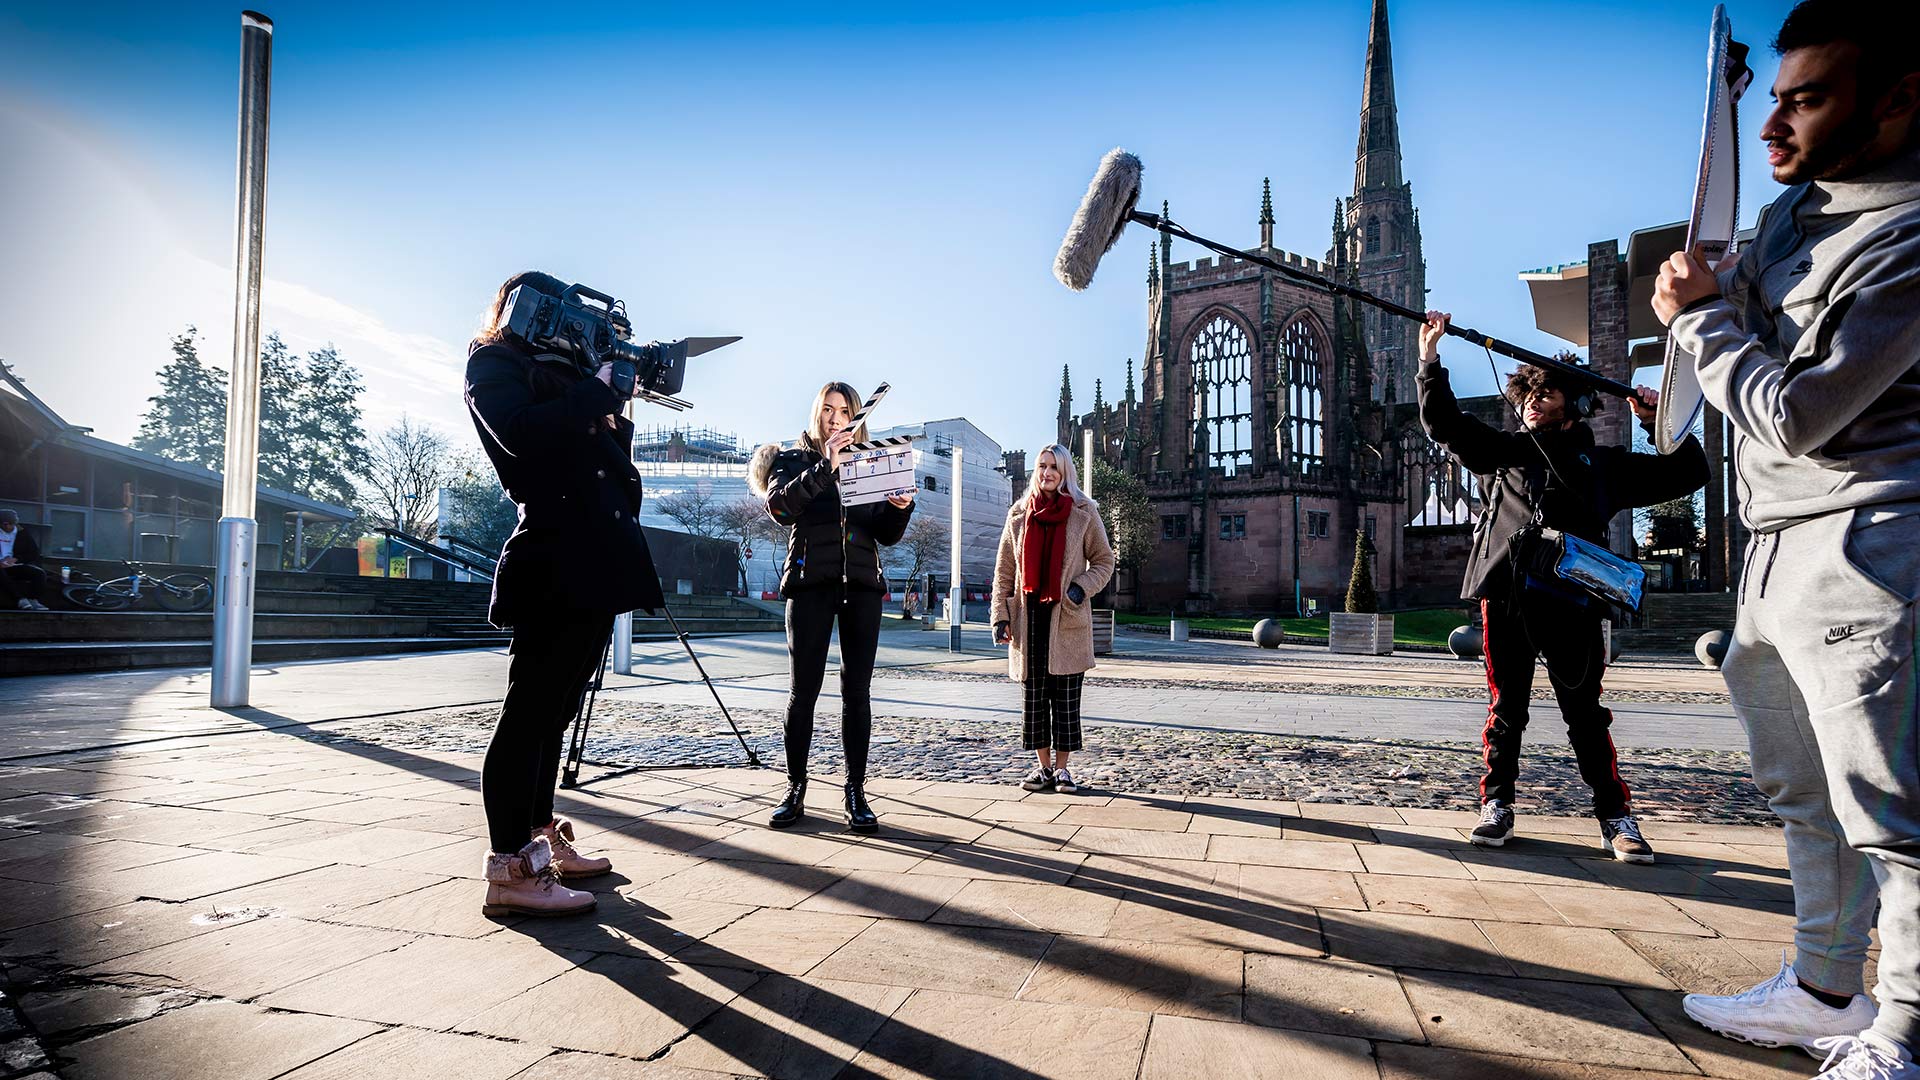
{"x":1427,"y":626}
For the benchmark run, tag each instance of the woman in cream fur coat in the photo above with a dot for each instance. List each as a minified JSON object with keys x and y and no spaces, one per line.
{"x":1054,"y":556}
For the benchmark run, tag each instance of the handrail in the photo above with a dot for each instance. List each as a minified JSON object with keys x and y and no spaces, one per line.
{"x":450,"y":558}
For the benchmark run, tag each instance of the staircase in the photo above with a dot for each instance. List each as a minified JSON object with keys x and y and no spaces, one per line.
{"x":310,"y":616}
{"x":1672,"y":622}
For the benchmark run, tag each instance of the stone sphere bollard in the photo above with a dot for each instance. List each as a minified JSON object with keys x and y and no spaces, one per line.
{"x":1712,"y":647}
{"x":1464,"y":642}
{"x":1268,"y":633}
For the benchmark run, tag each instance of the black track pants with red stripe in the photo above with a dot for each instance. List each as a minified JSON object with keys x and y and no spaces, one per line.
{"x":1567,"y":636}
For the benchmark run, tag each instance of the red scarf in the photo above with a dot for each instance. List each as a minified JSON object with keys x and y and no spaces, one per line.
{"x":1044,"y":546}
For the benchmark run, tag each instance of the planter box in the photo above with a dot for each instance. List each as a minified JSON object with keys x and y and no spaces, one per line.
{"x":1102,"y":631}
{"x":1366,"y":634}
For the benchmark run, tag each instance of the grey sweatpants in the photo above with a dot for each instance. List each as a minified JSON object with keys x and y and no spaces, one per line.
{"x":1821,"y":672}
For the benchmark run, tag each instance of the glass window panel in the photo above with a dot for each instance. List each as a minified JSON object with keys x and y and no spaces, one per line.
{"x":113,"y":486}
{"x":66,"y":477}
{"x":20,"y":476}
{"x":68,"y":536}
{"x":1223,"y":394}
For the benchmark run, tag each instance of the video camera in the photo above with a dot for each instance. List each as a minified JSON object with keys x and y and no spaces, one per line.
{"x":591,"y":329}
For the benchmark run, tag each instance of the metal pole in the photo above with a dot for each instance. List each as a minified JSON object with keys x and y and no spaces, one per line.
{"x":956,"y":591}
{"x":623,"y":643}
{"x":236,"y":544}
{"x":1297,"y":613}
{"x":1086,"y":461}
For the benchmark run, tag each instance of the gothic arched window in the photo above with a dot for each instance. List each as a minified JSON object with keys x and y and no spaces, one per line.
{"x":1223,"y":395}
{"x":1373,"y":236}
{"x":1300,"y":347}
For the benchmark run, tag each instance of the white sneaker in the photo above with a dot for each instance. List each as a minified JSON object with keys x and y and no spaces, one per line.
{"x":1779,"y":1013}
{"x":1063,"y":782}
{"x":1867,"y":1056}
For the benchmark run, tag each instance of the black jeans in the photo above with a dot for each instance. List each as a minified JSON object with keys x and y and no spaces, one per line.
{"x":810,"y":618}
{"x":552,"y":664}
{"x":22,"y":581}
{"x":1567,"y":636}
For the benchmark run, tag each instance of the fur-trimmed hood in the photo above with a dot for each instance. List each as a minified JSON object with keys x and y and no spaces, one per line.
{"x":760,"y":469}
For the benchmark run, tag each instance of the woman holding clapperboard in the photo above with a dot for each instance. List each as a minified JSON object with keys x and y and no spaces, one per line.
{"x":1054,"y":556}
{"x":832,"y":572}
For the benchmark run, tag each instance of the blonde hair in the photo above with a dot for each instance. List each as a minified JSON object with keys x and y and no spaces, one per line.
{"x":817,"y":433}
{"x":1069,"y":483}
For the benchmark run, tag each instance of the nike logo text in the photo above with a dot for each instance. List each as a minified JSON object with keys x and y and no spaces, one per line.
{"x":1837,"y":634}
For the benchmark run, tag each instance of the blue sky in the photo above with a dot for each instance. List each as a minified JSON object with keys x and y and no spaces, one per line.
{"x":865,"y":192}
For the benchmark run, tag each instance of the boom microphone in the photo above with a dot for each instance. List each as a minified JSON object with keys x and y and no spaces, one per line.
{"x":1108,"y":208}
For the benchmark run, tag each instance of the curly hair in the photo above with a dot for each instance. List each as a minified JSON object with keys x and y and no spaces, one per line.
{"x":1528,"y":380}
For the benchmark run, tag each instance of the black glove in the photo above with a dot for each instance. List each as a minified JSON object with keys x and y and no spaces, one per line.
{"x":1076,"y":594}
{"x":1001,"y":633}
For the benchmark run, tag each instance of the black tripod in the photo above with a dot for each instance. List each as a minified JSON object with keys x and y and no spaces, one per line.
{"x":583,"y":719}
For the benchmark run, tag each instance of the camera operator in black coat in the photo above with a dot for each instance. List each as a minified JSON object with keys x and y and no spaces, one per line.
{"x":576,"y":559}
{"x":1555,"y":475}
{"x":832,"y":574}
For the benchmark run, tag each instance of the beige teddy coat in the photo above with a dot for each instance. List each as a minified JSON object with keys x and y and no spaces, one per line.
{"x":1087,"y":562}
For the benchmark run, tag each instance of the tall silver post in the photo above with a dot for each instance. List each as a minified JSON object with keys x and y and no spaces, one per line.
{"x":956,"y":589}
{"x":623,"y":643}
{"x":236,"y":542}
{"x":1086,"y":461}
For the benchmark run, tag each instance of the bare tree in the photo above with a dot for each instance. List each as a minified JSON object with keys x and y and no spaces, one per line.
{"x":407,"y":465}
{"x":745,"y":520}
{"x":926,"y":546}
{"x":696,"y":510}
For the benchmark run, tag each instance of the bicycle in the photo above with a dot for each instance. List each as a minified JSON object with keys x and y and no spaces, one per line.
{"x":174,"y":592}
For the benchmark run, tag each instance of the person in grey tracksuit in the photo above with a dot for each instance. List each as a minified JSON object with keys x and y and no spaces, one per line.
{"x":1810,"y":345}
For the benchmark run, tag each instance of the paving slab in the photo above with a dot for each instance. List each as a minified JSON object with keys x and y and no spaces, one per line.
{"x":1538,"y":1018}
{"x":1302,"y":854}
{"x":1573,"y":954}
{"x":633,"y":1006}
{"x":940,"y":1036}
{"x":1180,"y":1047}
{"x":1179,"y":980}
{"x":1225,"y":922}
{"x":212,"y":1039}
{"x":102,"y":934}
{"x":805,"y":1029}
{"x":251,"y":958}
{"x":424,"y":1055}
{"x":1027,"y":906}
{"x":412,"y":985}
{"x":974,"y":961}
{"x":884,"y":894}
{"x":776,"y":940}
{"x":1334,"y":997}
{"x":1399,"y":1062}
{"x":68,"y":1014}
{"x":1417,"y":941}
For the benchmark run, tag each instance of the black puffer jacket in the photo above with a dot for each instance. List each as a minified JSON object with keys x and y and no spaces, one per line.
{"x":829,"y":545}
{"x":1577,"y":485}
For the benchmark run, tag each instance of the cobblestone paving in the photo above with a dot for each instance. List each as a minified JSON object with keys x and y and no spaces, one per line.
{"x":1678,"y":785}
{"x":1274,"y":686}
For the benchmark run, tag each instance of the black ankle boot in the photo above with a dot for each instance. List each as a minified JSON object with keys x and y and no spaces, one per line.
{"x":860,"y":816}
{"x":793,"y":808}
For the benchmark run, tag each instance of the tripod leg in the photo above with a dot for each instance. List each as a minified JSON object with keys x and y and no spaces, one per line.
{"x":753,"y":759}
{"x":582,"y":718}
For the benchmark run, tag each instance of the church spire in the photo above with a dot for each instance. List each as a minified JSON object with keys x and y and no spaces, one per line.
{"x":1377,"y":158}
{"x":1266,"y":212}
{"x":1130,"y":398}
{"x":1065,"y":418}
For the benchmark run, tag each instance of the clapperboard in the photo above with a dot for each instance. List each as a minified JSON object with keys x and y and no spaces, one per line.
{"x":872,"y":471}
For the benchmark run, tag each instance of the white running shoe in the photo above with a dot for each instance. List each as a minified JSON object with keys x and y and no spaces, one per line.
{"x":1779,"y":1013}
{"x":1867,"y":1056}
